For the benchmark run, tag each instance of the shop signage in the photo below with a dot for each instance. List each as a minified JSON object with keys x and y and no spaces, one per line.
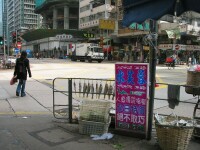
{"x":106,"y":24}
{"x":132,"y":88}
{"x":165,"y":46}
{"x":88,"y":35}
{"x":192,"y":47}
{"x":64,"y":36}
{"x":183,"y":28}
{"x":145,"y":26}
{"x":179,"y":47}
{"x":146,"y":48}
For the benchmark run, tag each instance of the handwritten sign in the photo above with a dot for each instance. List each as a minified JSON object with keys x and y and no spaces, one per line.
{"x":131,"y":96}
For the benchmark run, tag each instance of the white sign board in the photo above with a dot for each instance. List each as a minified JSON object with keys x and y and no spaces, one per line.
{"x":64,"y":36}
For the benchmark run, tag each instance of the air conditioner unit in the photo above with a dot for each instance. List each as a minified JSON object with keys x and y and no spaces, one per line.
{"x":198,"y":38}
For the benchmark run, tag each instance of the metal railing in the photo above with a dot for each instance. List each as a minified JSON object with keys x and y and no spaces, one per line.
{"x":75,"y":90}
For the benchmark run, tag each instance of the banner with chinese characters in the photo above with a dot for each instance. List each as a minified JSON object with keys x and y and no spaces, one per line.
{"x":132,"y":90}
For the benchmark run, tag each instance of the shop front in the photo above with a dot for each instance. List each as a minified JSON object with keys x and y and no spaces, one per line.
{"x":168,"y":50}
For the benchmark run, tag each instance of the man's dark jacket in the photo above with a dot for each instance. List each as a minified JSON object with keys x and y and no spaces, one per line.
{"x":17,"y":72}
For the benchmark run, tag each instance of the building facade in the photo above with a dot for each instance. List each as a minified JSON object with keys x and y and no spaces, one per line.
{"x":99,"y":17}
{"x":60,"y":21}
{"x":176,"y":35}
{"x":19,"y":17}
{"x":58,"y":14}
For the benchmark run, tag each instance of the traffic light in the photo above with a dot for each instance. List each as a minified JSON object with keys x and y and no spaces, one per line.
{"x":19,"y":38}
{"x":14,"y":37}
{"x":101,"y":41}
{"x":1,"y":40}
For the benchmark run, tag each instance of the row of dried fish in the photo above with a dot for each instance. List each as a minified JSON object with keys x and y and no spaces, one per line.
{"x":98,"y":89}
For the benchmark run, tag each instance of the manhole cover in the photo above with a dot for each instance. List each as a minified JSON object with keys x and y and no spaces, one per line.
{"x":54,"y":136}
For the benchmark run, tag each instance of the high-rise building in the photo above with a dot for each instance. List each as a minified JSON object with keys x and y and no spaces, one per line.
{"x":58,"y":14}
{"x":1,"y":27}
{"x":19,"y":17}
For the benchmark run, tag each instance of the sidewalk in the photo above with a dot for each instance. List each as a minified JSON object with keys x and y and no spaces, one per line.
{"x":27,"y":123}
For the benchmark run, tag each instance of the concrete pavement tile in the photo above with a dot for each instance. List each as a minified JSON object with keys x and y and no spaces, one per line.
{"x":3,"y":93}
{"x":5,"y":107}
{"x":26,"y":104}
{"x":9,"y":141}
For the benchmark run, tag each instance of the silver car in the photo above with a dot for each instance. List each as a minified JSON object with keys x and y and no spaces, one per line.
{"x":10,"y":62}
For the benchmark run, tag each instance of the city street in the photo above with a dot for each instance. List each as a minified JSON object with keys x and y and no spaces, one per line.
{"x":45,"y":70}
{"x":27,"y":122}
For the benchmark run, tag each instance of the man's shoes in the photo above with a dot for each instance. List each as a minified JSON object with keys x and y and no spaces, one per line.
{"x":22,"y":95}
{"x":17,"y":93}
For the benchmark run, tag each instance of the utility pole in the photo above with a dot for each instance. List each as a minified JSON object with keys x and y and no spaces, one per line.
{"x":4,"y":46}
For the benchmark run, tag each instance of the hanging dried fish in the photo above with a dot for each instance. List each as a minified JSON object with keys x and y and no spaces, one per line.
{"x":113,"y":92}
{"x":88,"y":89}
{"x":100,"y":89}
{"x":110,"y":91}
{"x":92,"y":90}
{"x":105,"y":90}
{"x":74,"y":86}
{"x":84,"y":89}
{"x":97,"y":89}
{"x":79,"y":88}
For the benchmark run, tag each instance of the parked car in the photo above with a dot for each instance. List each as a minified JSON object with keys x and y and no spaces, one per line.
{"x":10,"y":62}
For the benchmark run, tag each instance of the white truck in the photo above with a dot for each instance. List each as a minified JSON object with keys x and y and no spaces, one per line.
{"x":87,"y":51}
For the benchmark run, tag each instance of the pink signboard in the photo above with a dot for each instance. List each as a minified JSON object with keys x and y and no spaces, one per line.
{"x":132,"y":90}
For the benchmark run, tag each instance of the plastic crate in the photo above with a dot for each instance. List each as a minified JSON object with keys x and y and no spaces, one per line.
{"x":96,"y":111}
{"x":91,"y":127}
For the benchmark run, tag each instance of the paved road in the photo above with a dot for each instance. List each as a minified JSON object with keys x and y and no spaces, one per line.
{"x":45,"y":70}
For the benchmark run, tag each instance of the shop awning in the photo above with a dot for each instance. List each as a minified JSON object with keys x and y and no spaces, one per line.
{"x":140,"y":10}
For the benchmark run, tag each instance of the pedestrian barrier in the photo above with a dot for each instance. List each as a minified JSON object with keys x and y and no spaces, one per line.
{"x":77,"y":90}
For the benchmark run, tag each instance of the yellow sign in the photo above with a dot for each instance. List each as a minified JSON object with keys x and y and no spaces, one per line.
{"x":106,"y":24}
{"x":146,"y":48}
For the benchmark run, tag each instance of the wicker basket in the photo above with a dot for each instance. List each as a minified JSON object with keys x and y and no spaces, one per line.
{"x":193,"y":79}
{"x":196,"y":132}
{"x":96,"y":111}
{"x":173,"y":137}
{"x":91,"y":127}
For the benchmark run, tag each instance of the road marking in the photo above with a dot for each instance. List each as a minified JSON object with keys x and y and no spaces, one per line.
{"x":24,"y":113}
{"x":159,"y":80}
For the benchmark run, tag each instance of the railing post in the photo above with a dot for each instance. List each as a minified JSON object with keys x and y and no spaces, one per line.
{"x":153,"y":59}
{"x":70,"y":99}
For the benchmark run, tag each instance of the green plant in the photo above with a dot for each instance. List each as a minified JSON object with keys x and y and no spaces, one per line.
{"x":118,"y":146}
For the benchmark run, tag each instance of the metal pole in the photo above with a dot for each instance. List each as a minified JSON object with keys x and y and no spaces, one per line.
{"x":152,"y":81}
{"x":70,"y":99}
{"x":4,"y":48}
{"x":107,"y":43}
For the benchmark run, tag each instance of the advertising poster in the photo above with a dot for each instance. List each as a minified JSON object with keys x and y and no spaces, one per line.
{"x":132,"y":90}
